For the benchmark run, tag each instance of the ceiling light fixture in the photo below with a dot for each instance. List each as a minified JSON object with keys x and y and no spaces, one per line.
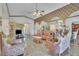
{"x":37,"y":12}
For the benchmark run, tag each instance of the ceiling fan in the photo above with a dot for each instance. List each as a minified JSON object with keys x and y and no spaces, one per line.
{"x":36,"y":12}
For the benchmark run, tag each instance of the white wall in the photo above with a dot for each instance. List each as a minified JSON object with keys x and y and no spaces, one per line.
{"x":23,"y":20}
{"x":5,"y":14}
{"x":5,"y":18}
{"x":0,"y":10}
{"x":69,"y":22}
{"x":72,"y":20}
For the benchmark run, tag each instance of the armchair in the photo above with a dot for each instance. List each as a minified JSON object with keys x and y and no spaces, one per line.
{"x":64,"y":44}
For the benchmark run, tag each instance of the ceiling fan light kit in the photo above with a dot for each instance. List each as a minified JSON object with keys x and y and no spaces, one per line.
{"x":37,"y":12}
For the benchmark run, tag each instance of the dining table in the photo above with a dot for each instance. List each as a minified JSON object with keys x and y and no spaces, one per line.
{"x":37,"y":39}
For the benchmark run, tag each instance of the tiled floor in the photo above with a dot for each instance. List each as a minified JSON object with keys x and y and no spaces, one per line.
{"x":74,"y":51}
{"x":75,"y":47}
{"x":33,"y":49}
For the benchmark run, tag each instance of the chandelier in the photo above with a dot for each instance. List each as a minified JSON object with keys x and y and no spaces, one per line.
{"x":37,"y":12}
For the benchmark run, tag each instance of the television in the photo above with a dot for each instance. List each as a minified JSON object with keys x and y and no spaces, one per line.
{"x":18,"y":32}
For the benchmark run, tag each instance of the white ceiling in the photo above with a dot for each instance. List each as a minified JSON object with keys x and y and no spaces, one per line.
{"x":26,"y":8}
